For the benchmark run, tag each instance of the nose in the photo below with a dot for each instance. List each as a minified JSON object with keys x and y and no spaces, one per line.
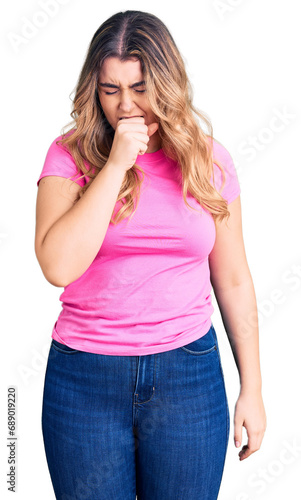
{"x":126,"y":103}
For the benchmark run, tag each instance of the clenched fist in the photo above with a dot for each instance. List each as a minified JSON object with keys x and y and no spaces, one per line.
{"x":130,"y":140}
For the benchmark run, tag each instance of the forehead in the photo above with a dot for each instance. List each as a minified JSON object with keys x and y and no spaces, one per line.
{"x":113,"y":70}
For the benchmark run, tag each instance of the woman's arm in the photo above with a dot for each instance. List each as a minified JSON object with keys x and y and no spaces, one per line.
{"x":234,"y":290}
{"x":69,"y":235}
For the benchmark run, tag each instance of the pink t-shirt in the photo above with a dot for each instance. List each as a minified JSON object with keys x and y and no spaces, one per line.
{"x":148,"y":289}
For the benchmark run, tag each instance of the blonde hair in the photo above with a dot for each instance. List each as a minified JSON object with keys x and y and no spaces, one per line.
{"x":135,"y":34}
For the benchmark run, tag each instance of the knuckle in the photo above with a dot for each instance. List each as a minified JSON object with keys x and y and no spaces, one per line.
{"x":259,"y":431}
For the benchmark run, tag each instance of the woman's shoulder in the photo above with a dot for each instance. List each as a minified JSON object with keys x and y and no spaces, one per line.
{"x":220,"y":152}
{"x":57,"y":149}
{"x":221,"y":155}
{"x":59,"y":161}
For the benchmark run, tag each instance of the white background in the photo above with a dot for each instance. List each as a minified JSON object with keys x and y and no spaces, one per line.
{"x":243,"y":59}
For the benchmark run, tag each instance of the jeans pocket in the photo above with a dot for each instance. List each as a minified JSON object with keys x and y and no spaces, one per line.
{"x":202,"y":345}
{"x":63,"y":347}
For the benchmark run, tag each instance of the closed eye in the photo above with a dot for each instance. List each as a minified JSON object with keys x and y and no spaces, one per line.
{"x":136,"y":90}
{"x":134,"y":87}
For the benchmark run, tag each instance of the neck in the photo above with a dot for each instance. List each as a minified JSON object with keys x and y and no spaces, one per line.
{"x":154,"y":143}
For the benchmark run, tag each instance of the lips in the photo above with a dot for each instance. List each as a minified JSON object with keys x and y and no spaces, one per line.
{"x":126,"y":117}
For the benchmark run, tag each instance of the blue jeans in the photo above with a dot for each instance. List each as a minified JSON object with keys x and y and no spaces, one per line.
{"x":155,"y":426}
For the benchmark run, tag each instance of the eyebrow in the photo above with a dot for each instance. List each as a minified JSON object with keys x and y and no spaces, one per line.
{"x":112,"y":86}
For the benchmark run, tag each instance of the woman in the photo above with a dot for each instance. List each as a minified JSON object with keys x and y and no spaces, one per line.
{"x":138,"y":213}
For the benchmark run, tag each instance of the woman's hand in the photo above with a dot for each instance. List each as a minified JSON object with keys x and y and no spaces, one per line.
{"x":249,"y":413}
{"x":130,"y":140}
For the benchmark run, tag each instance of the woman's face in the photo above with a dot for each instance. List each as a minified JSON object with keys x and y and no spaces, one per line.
{"x":122,"y":92}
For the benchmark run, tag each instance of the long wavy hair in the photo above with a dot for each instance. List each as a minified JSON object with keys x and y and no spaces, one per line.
{"x":140,"y":35}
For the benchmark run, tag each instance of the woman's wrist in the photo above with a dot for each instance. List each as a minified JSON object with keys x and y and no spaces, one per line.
{"x":252,"y":387}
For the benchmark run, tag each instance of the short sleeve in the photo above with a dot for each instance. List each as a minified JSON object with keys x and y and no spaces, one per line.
{"x":59,"y":162}
{"x":231,"y":188}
